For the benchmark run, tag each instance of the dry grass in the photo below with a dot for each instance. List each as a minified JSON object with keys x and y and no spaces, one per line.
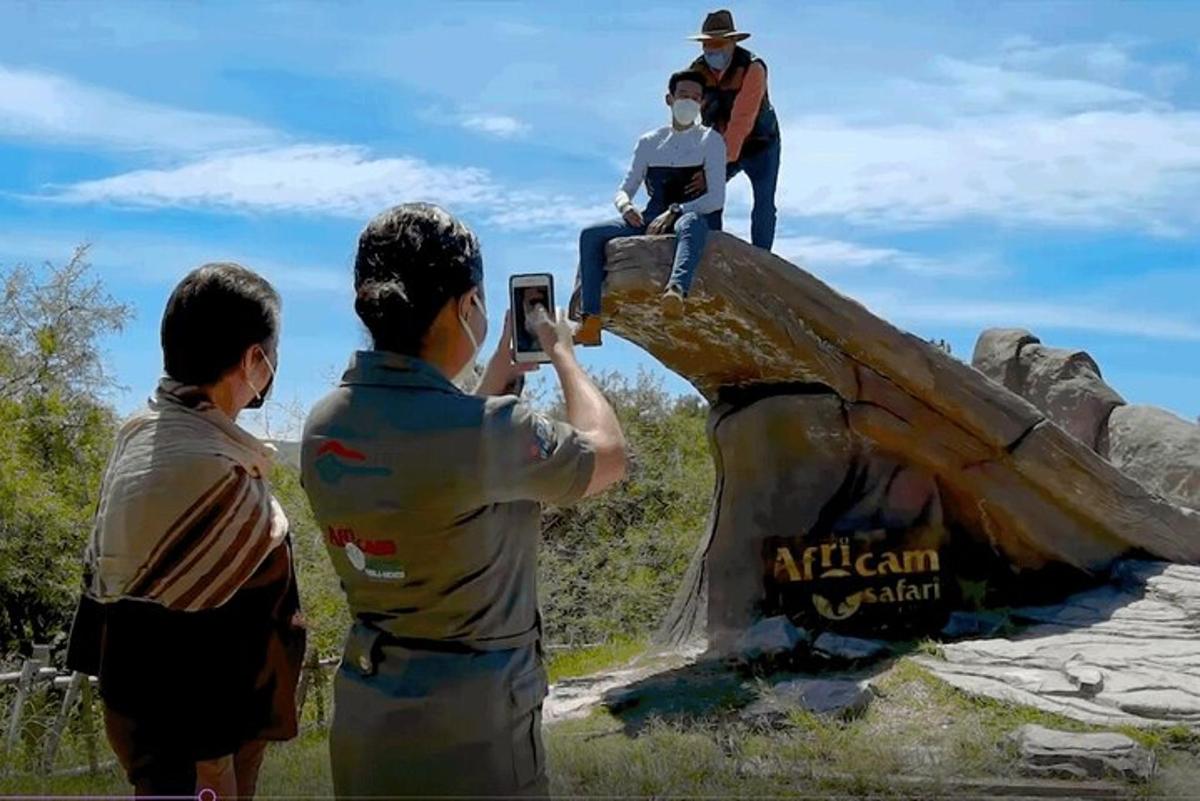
{"x":697,"y":746}
{"x":585,"y":661}
{"x":917,"y":727}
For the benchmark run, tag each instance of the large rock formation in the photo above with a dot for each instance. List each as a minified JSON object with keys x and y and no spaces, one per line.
{"x":863,"y":474}
{"x":1066,"y":385}
{"x":1158,"y":449}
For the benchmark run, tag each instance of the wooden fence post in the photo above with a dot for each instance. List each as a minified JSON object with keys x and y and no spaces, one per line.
{"x":306,"y":670}
{"x":89,"y":728}
{"x":318,"y":685}
{"x":29,"y":672}
{"x":60,"y":721}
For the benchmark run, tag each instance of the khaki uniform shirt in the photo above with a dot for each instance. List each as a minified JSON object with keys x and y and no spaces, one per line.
{"x":430,"y":500}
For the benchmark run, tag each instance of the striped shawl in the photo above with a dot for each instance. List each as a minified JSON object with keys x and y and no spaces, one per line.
{"x":186,"y":515}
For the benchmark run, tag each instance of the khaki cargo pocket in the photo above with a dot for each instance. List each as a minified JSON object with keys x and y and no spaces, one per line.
{"x":529,"y":755}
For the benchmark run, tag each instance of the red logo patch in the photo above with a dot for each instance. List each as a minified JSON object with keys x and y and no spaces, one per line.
{"x":341,"y":537}
{"x":338,"y":449}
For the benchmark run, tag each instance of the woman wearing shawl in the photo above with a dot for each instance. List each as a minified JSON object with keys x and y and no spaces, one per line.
{"x":190,"y":615}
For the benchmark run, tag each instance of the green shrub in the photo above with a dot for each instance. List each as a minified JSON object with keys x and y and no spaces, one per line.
{"x":610,"y":565}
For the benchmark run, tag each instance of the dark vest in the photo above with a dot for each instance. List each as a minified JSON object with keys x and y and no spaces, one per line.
{"x":717,"y":107}
{"x":667,"y":185}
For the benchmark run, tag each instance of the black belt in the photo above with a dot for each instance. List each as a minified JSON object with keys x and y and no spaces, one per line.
{"x":419,"y":644}
{"x":365,"y":640}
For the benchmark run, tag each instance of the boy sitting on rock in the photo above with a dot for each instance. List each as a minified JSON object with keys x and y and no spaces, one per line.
{"x":683,"y":168}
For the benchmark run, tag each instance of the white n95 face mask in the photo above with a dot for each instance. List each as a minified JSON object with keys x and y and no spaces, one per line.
{"x":685,"y":111}
{"x":468,"y":369}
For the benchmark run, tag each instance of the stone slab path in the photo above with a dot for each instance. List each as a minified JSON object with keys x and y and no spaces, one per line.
{"x":1126,"y":653}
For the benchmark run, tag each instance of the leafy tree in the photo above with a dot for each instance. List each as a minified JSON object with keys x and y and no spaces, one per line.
{"x":321,"y":596}
{"x":57,"y":432}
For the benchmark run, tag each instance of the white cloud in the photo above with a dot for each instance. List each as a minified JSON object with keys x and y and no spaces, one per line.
{"x":980,"y":142}
{"x":327,"y":179}
{"x":499,"y":125}
{"x":1105,"y":60}
{"x":971,"y":312}
{"x":1060,"y":136}
{"x":837,"y":255}
{"x":1112,"y":62}
{"x":1105,"y":168}
{"x":994,"y":88}
{"x":54,"y":108}
{"x":162,"y":260}
{"x":527,"y":210}
{"x":1009,"y":146}
{"x":333,"y":180}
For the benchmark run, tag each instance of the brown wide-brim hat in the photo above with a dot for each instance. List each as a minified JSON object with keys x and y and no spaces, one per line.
{"x":719,"y":25}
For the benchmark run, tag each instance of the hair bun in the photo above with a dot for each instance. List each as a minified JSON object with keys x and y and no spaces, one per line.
{"x":387,"y":290}
{"x":382,"y":300}
{"x":412,"y":259}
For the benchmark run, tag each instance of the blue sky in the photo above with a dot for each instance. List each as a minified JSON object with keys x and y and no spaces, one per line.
{"x":952,"y":166}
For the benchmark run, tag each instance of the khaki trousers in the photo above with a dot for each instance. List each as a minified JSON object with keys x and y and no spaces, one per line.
{"x":414,"y":722}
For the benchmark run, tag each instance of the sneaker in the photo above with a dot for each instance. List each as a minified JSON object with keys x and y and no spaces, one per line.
{"x":672,"y":302}
{"x":588,"y":334}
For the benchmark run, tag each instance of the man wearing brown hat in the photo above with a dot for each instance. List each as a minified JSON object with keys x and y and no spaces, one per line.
{"x":737,"y":105}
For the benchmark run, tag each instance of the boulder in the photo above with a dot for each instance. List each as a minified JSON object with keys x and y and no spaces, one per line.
{"x":1088,"y":680}
{"x":770,"y":638}
{"x":829,"y":697}
{"x":800,"y":503}
{"x":997,"y":353}
{"x":1076,"y":755}
{"x":1065,"y":385}
{"x":849,"y":649}
{"x":779,"y":460}
{"x":1159,"y":449}
{"x":972,"y":624}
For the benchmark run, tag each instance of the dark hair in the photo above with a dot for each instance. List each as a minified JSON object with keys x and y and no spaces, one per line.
{"x":216,"y":313}
{"x":684,"y":75}
{"x":411,"y":259}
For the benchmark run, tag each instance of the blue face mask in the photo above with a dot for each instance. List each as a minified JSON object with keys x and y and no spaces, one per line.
{"x":717,"y":59}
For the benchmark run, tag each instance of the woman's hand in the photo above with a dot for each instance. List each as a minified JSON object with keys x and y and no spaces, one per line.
{"x":554,"y":331}
{"x":502,"y":371}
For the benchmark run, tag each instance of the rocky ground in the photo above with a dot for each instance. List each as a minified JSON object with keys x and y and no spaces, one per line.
{"x":1090,"y":697}
{"x":892,"y":729}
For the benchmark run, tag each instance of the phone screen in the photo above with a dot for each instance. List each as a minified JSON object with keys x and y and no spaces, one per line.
{"x":524,"y":298}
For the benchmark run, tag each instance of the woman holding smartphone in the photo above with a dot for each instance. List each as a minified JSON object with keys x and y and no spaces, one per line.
{"x":431,"y":499}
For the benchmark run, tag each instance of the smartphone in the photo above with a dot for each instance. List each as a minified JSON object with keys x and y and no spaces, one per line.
{"x":525,"y":292}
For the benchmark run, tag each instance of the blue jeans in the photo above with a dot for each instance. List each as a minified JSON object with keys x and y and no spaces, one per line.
{"x":691,"y":233}
{"x":762,"y":168}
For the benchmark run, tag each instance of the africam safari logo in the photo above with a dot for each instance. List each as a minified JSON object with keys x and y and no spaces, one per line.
{"x":895,"y":577}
